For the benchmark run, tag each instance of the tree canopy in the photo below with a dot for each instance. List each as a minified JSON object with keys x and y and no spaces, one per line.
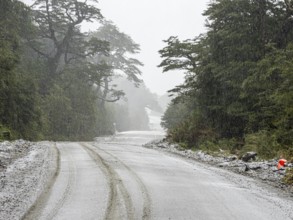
{"x":54,"y":75}
{"x":238,"y":76}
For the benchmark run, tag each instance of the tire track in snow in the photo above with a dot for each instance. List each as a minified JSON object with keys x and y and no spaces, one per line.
{"x":38,"y":210}
{"x":145,"y":195}
{"x":116,"y":188}
{"x":34,"y":211}
{"x":68,"y":190}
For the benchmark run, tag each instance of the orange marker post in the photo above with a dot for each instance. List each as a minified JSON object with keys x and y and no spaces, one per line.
{"x":281,"y":163}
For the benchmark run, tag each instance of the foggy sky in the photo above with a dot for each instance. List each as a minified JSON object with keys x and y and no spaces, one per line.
{"x":149,"y":22}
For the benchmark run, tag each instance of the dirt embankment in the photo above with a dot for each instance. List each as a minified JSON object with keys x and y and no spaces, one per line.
{"x":25,"y":170}
{"x":265,"y":171}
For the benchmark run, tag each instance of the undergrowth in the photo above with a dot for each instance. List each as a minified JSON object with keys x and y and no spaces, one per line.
{"x":288,"y":179}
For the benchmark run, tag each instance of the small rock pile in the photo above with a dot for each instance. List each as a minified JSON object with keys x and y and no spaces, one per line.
{"x":246,"y":165}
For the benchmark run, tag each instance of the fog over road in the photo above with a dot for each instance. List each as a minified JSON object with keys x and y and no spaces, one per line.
{"x":117,"y":178}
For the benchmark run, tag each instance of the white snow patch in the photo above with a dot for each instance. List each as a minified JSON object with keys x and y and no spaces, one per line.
{"x":29,"y":169}
{"x":142,"y":133}
{"x":23,"y":162}
{"x":154,"y":119}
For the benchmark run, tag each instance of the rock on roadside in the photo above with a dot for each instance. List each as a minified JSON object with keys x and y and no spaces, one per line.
{"x":25,"y":170}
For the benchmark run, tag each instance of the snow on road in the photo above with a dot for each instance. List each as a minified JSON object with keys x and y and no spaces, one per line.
{"x":25,"y":173}
{"x":116,"y":178}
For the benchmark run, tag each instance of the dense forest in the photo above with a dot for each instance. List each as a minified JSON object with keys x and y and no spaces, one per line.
{"x":58,"y":82}
{"x":238,"y":89}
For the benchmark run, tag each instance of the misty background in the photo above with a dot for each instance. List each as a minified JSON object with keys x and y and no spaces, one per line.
{"x":74,"y":70}
{"x":148,"y":23}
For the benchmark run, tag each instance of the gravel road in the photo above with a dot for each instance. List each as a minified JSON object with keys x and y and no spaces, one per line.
{"x":117,"y":178}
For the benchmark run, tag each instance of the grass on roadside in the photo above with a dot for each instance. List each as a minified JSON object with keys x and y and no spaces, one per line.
{"x":288,"y":179}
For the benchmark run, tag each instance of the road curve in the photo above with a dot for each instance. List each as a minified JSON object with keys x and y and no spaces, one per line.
{"x":116,"y":178}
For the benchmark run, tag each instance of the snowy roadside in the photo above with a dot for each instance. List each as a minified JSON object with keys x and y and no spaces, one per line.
{"x":266,"y":171}
{"x":25,"y":170}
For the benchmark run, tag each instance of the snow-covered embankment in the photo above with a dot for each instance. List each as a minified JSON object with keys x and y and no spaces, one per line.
{"x":26,"y":169}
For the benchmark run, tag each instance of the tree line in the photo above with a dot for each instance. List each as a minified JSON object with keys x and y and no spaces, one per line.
{"x":56,"y":81}
{"x":238,"y":89}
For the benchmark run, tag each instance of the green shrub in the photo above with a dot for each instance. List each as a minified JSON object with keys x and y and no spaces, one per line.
{"x":231,"y":145}
{"x":287,"y":153}
{"x":183,"y":146}
{"x":262,"y":142}
{"x":288,"y":179}
{"x":5,"y":133}
{"x":209,"y":146}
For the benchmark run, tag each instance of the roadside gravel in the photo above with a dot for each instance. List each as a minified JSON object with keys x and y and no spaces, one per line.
{"x":264,"y":171}
{"x":25,"y":170}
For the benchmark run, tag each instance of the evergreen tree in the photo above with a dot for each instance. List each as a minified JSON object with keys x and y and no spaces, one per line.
{"x":237,"y":74}
{"x":18,"y":90}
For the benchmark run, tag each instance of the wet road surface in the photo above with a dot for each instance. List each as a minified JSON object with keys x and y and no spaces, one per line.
{"x":116,"y":178}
